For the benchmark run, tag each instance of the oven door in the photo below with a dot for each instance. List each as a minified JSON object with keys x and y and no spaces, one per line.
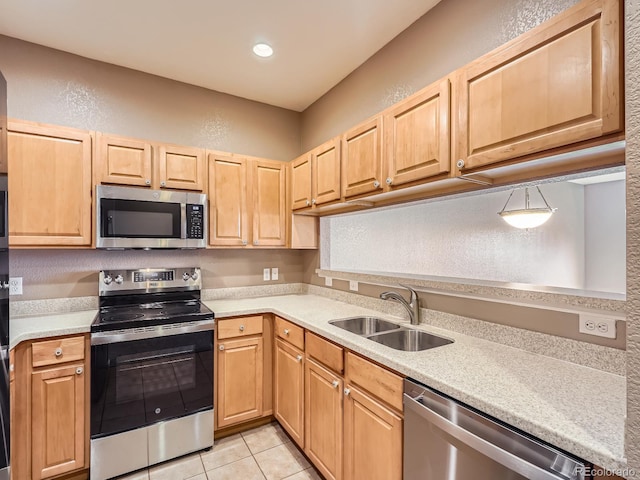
{"x":140,"y":382}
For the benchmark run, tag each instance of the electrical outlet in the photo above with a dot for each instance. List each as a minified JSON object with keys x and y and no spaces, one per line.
{"x":328,"y":281}
{"x":15,"y":286}
{"x":353,"y":285}
{"x":274,"y":273}
{"x":266,"y":274}
{"x":597,"y":325}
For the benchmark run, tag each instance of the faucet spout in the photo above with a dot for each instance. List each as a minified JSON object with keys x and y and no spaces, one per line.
{"x":412,"y":306}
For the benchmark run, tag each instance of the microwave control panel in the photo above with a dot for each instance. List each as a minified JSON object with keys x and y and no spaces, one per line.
{"x":195,"y":221}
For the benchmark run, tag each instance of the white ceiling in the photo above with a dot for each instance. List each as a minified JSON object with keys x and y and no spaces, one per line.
{"x":208,"y":42}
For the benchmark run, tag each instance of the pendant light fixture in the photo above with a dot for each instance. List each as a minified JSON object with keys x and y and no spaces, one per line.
{"x":527,"y":217}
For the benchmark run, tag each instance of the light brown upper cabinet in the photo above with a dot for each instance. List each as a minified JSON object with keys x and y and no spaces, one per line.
{"x":130,"y":161}
{"x":246,"y":201}
{"x":417,"y":136}
{"x":362,"y":158}
{"x":50,"y":184}
{"x":553,"y":86}
{"x":315,"y":176}
{"x":269,"y":207}
{"x":228,"y":209}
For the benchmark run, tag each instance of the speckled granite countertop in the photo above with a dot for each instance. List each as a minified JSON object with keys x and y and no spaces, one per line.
{"x":579,"y":409}
{"x":24,"y":327}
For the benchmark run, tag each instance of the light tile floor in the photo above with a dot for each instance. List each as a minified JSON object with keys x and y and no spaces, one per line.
{"x":262,"y":453}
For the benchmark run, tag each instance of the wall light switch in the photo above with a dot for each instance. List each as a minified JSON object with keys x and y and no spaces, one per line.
{"x":266,"y":274}
{"x":328,"y":281}
{"x":15,"y":286}
{"x":274,"y":273}
{"x":353,"y":285}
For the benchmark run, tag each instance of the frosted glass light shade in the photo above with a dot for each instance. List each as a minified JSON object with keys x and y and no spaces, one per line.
{"x":528,"y":218}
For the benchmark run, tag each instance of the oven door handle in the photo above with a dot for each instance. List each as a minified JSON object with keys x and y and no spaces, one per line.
{"x":115,"y":336}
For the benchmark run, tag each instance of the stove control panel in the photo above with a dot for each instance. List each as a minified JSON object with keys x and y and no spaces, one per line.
{"x":113,"y":282}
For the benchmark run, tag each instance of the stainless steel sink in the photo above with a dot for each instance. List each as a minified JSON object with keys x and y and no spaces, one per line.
{"x":364,"y":326}
{"x":410,"y":340}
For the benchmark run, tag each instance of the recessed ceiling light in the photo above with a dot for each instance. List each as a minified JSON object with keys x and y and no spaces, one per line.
{"x":262,"y":50}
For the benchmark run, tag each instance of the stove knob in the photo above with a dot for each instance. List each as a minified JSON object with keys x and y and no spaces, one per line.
{"x":194,"y":275}
{"x":186,"y":276}
{"x":107,"y":280}
{"x":119,"y":279}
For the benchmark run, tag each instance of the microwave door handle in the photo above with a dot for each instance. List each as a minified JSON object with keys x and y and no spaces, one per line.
{"x":183,"y":220}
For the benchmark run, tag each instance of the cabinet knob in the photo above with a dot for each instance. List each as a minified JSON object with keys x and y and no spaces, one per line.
{"x":286,"y":331}
{"x":221,"y":348}
{"x":79,"y":371}
{"x":347,"y":391}
{"x":308,"y":203}
{"x":313,"y":202}
{"x":255,"y":242}
{"x":460,"y":163}
{"x":389,"y":180}
{"x":244,"y":242}
{"x":58,"y":352}
{"x":242,"y":328}
{"x":376,"y":184}
{"x":299,"y":358}
{"x":147,"y":182}
{"x":163,"y":184}
{"x":335,"y":384}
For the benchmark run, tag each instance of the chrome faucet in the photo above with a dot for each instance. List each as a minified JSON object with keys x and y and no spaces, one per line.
{"x":412,"y":306}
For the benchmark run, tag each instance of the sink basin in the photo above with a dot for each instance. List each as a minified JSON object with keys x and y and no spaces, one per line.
{"x":410,"y":340}
{"x":364,"y":325}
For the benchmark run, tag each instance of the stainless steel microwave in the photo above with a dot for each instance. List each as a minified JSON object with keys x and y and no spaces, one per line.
{"x":129,"y":217}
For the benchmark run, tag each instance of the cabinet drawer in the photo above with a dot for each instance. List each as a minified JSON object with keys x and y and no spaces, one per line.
{"x":239,"y":327}
{"x":290,"y":332}
{"x":376,"y":380}
{"x":325,"y":352}
{"x":61,"y":350}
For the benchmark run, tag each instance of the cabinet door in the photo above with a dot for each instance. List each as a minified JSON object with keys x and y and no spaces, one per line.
{"x":123,"y":161}
{"x":240,"y":380}
{"x":372,"y":439}
{"x":301,"y":182}
{"x":417,"y":135}
{"x":325,"y":166}
{"x":181,"y":167}
{"x":556,"y":85}
{"x":361,"y":158}
{"x":57,"y":421}
{"x":50,"y":184}
{"x":269,"y":209}
{"x":228,"y":214}
{"x":289,"y":390}
{"x":323,"y":419}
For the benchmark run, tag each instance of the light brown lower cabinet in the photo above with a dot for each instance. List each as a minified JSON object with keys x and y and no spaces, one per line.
{"x":289,"y":390}
{"x":323,"y":419}
{"x":50,"y":408}
{"x":372,"y":438}
{"x":240,"y":380}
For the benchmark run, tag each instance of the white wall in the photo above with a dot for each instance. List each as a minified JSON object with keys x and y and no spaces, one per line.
{"x":605,"y":238}
{"x":465,"y":238}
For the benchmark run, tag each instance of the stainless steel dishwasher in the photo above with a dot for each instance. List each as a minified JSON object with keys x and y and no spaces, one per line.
{"x":445,"y":440}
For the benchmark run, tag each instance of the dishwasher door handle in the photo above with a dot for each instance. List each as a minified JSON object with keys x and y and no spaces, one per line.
{"x":486,"y":448}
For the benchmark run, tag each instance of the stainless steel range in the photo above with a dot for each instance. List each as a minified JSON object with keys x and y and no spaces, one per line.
{"x":151,"y":370}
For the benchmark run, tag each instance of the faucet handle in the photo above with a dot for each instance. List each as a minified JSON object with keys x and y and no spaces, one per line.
{"x":414,"y":294}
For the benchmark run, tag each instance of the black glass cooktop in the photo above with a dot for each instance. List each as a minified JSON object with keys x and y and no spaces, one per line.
{"x":148,"y":312}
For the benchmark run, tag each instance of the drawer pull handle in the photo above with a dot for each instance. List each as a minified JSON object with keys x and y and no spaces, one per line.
{"x":221,"y":348}
{"x":299,"y":358}
{"x":79,"y":371}
{"x":58,"y":352}
{"x":347,"y":392}
{"x":286,"y":331}
{"x":335,"y":384}
{"x":242,"y":328}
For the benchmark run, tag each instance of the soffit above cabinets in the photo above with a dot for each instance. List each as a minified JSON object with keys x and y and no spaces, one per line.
{"x":209,"y":43}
